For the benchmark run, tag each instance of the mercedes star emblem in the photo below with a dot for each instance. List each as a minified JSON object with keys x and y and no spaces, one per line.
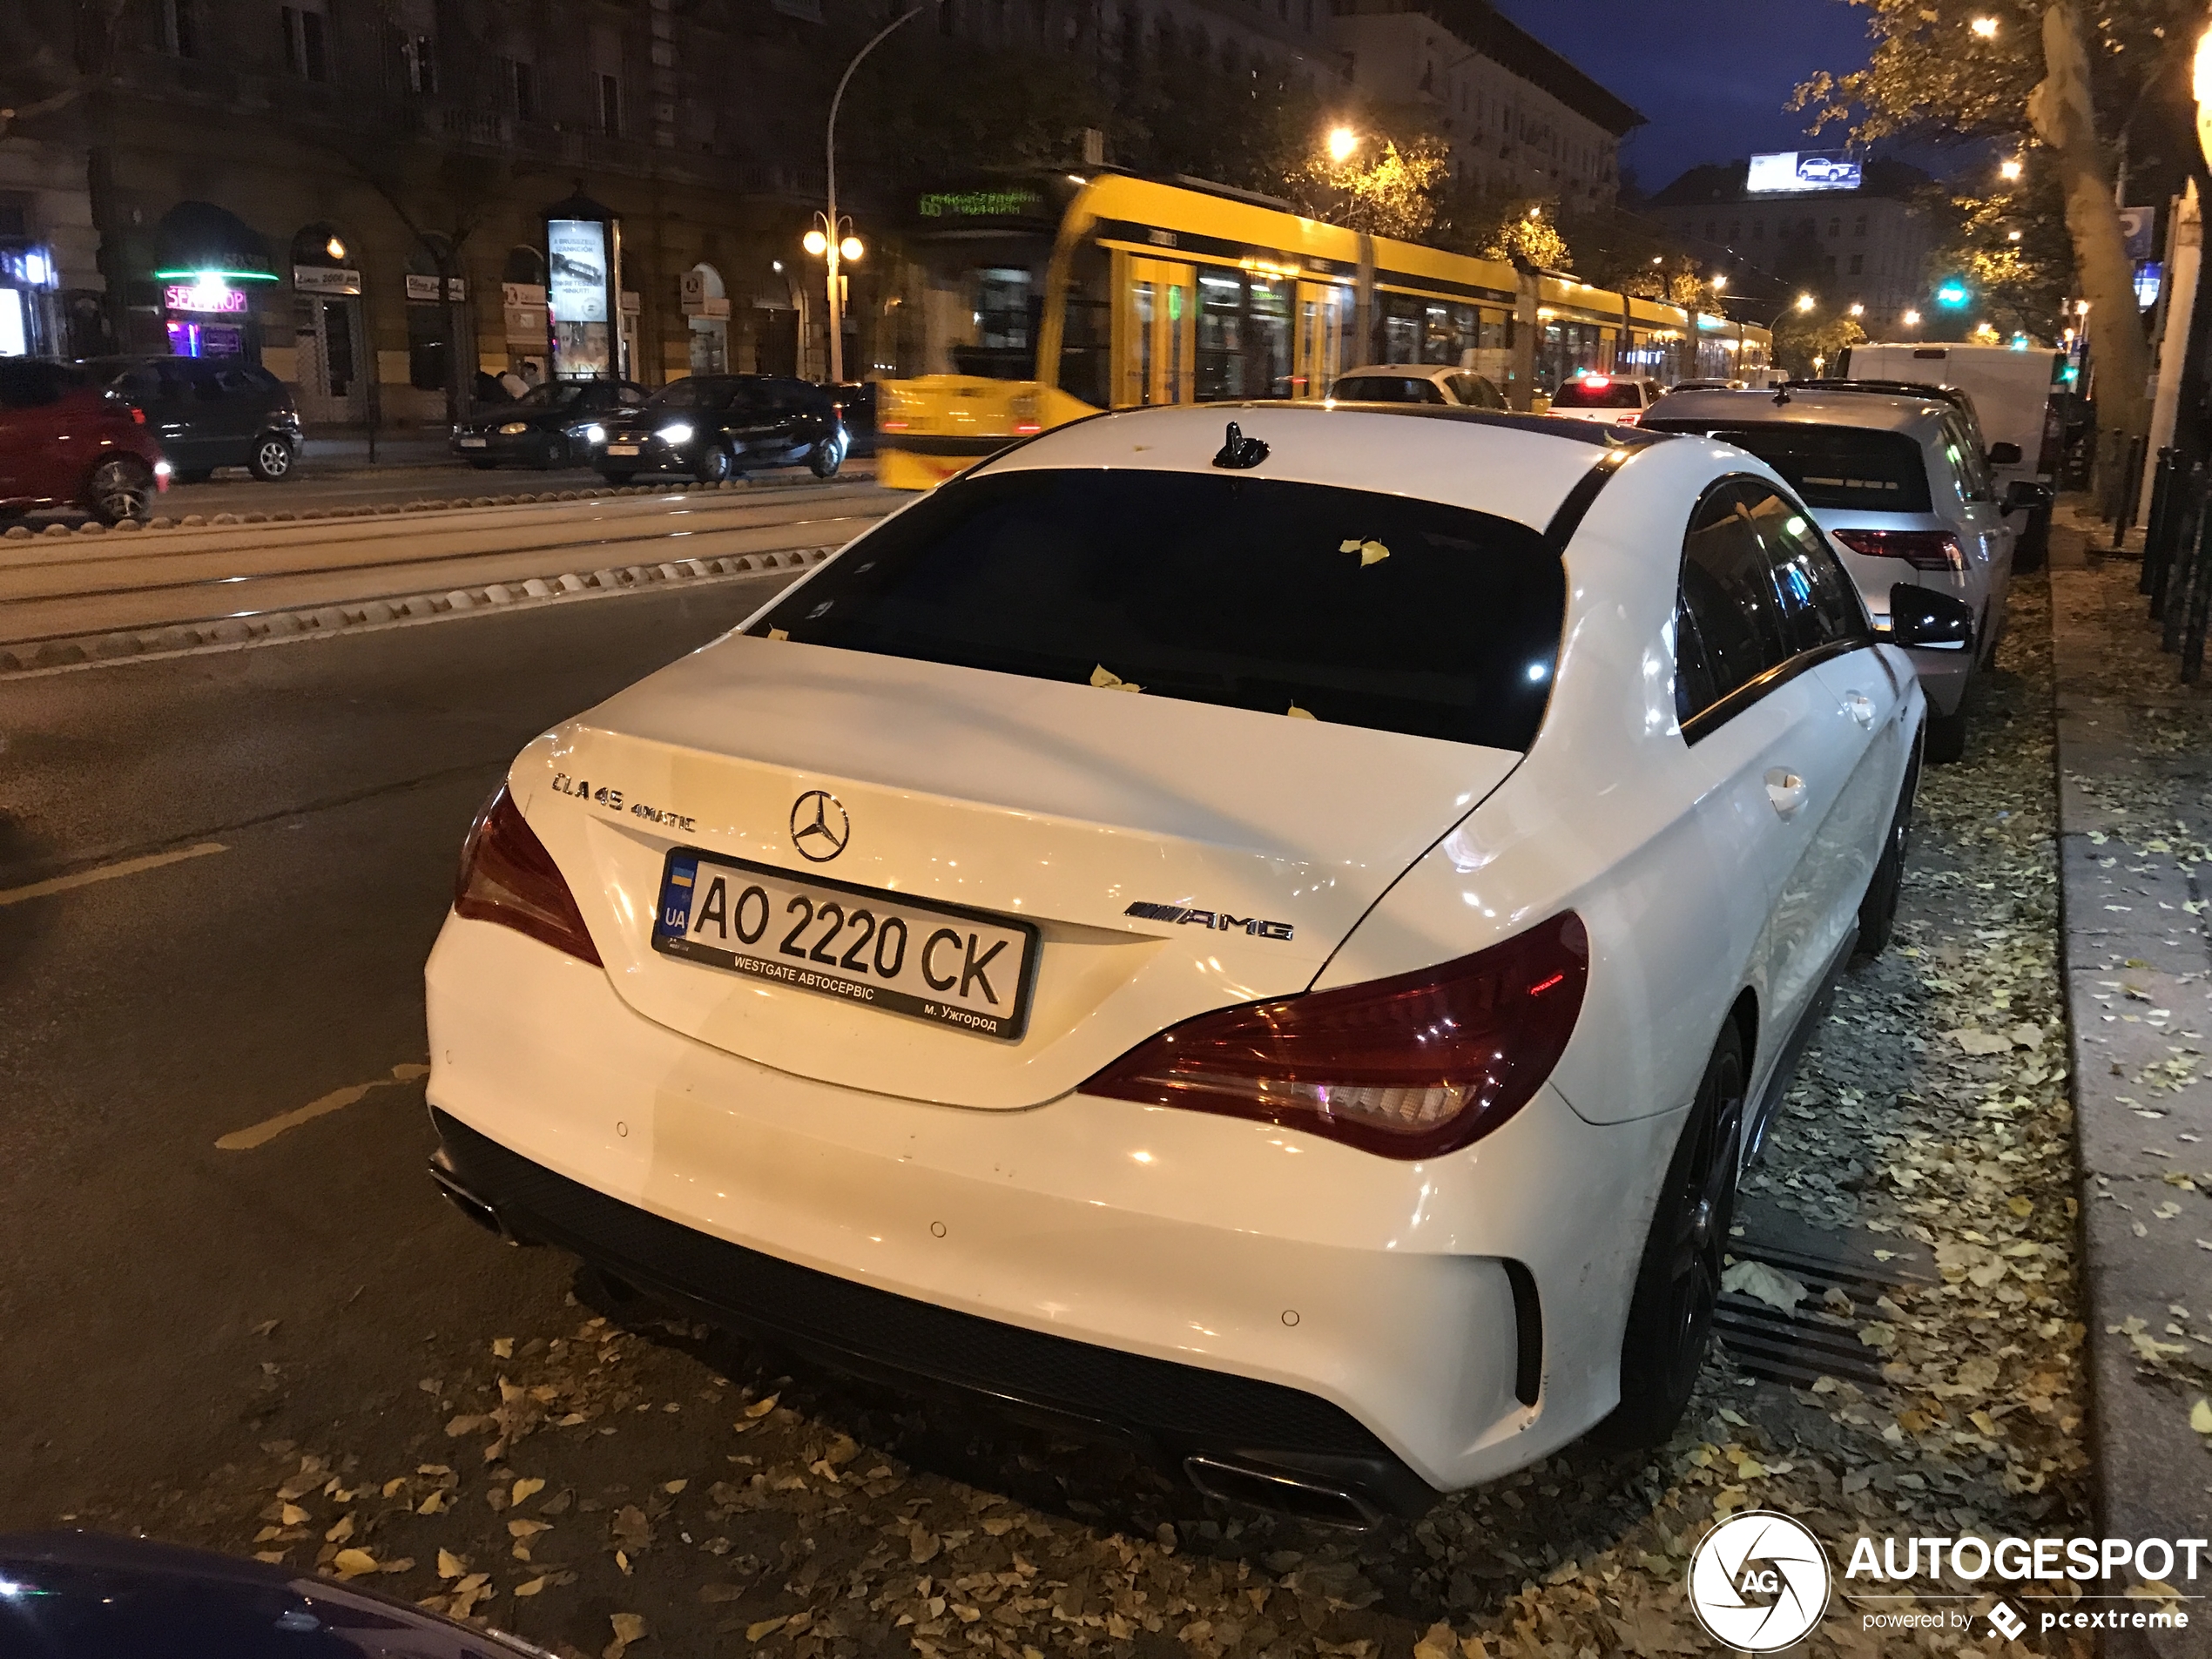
{"x":819,"y":828}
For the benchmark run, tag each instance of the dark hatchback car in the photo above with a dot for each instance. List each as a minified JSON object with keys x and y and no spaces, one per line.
{"x":64,"y":442}
{"x":711,"y":426}
{"x":559,"y":424}
{"x":209,"y":412}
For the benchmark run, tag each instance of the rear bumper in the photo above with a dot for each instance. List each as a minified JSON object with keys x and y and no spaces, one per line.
{"x":1208,"y":1285}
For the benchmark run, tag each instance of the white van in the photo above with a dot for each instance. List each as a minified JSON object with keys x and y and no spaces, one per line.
{"x":2011,"y":389}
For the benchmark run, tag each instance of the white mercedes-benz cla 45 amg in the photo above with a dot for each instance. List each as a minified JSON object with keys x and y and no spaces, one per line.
{"x":1277,"y":942}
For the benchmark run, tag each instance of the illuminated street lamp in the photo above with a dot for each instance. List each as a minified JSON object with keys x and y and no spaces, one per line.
{"x":829,"y":224}
{"x":1342,"y":142}
{"x":2009,"y":168}
{"x":1984,"y":28}
{"x":1857,"y":309}
{"x":1804,"y":302}
{"x":1911,"y":320}
{"x":1719,"y":280}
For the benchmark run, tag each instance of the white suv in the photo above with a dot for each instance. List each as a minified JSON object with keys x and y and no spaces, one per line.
{"x":1903,"y":489}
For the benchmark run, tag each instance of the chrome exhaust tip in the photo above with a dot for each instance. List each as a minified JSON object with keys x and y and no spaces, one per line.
{"x":478,"y":1209}
{"x":1306,"y":1499}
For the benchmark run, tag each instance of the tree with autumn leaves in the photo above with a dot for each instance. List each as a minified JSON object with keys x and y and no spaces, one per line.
{"x":2064,"y":85}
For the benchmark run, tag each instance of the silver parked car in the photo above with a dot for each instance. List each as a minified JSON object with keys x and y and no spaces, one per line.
{"x":1902,"y":487}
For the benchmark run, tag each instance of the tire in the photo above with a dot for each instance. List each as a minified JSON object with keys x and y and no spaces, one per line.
{"x":271,"y":459}
{"x":121,"y":487}
{"x":618,"y":479}
{"x":1678,"y":1284}
{"x":713,"y":465}
{"x":482,"y":463}
{"x":1877,"y":910}
{"x":827,"y":459}
{"x":552,"y":454}
{"x":196,"y":476}
{"x":2034,"y":548}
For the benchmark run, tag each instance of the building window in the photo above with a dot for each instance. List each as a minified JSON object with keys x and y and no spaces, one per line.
{"x":522,"y":88}
{"x":1835,"y":227}
{"x":1858,"y":265}
{"x":611,"y":106}
{"x":180,"y":27}
{"x":422,"y":64}
{"x":1758,"y":230}
{"x":306,"y":52}
{"x":1859,"y":229}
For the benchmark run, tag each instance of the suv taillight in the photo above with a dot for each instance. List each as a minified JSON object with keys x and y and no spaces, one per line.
{"x":1409,"y":1066}
{"x":1922,"y":550}
{"x":507,"y":876}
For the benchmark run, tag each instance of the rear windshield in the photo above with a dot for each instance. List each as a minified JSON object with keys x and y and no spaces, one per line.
{"x":1363,"y":610}
{"x":1831,"y":466}
{"x":1385,"y":388}
{"x":1593,"y":394}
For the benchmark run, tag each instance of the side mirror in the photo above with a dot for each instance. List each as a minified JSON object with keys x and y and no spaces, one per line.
{"x":2004,"y":454}
{"x":1927,"y":620}
{"x":2026,"y":493}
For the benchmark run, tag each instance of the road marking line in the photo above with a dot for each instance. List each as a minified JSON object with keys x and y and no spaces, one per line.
{"x":107,"y":872}
{"x":245,"y":1140}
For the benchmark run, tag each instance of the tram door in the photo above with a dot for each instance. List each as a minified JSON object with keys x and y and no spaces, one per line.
{"x":1155,"y":333}
{"x":1323,"y":313}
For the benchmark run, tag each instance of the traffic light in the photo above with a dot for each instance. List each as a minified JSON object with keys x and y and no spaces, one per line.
{"x":1952,"y":296}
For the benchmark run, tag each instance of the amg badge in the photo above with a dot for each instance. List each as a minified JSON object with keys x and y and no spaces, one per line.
{"x":1219,"y":920}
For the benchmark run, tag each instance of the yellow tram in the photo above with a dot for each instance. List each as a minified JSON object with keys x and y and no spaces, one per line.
{"x":1048,"y":298}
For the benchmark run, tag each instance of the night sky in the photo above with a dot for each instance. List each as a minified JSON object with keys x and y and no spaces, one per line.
{"x":1710,"y":76}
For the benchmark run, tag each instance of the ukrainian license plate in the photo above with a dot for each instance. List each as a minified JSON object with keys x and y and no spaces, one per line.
{"x":956,"y":967}
{"x":472,"y":443}
{"x":621,"y":449}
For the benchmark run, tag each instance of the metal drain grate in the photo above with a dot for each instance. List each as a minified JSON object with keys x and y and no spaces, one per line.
{"x":1801,"y":1346}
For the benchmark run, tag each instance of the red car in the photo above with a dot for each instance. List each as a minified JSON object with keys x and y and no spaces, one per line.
{"x":63,"y":442}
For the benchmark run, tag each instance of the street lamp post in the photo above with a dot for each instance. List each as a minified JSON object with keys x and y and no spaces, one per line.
{"x":832,"y":239}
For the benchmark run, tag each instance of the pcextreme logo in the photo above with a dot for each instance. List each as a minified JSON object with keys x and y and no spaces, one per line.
{"x":1759,"y":1581}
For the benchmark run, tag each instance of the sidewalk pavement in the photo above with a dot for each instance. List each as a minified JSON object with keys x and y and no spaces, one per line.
{"x":2135,"y":761}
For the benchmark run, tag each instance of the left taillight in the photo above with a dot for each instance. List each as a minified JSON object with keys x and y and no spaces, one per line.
{"x":1922,"y":550}
{"x":507,"y":876}
{"x":1409,"y":1066}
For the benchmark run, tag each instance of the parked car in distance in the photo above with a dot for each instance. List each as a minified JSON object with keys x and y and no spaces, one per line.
{"x":711,"y":426}
{"x":1901,"y":487}
{"x":1703,"y":386}
{"x":561,"y":423}
{"x":2014,"y":394}
{"x":1417,"y":383}
{"x":67,"y":441}
{"x":1619,"y":400}
{"x":1278,"y":941}
{"x":210,"y":412}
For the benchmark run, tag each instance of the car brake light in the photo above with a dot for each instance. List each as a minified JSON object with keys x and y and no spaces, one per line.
{"x":1597,"y":382}
{"x":1627,"y":417}
{"x":507,"y":876}
{"x":1922,"y":550}
{"x":1409,"y":1066}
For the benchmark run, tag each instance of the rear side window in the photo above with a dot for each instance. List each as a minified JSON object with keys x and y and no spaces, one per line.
{"x":1477,"y":393}
{"x":1831,"y":466}
{"x":1385,"y":388}
{"x":1599,"y":393}
{"x":1820,"y":603}
{"x":1358,"y":609}
{"x":31,"y":382}
{"x":1729,"y":624}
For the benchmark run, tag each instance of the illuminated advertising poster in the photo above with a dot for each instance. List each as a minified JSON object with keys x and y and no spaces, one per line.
{"x":575,"y":259}
{"x":1802,"y":170}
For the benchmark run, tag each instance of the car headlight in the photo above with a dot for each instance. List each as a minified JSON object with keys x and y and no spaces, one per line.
{"x":677,"y":434}
{"x":595,"y":434}
{"x":513,"y":428}
{"x":162,"y":470}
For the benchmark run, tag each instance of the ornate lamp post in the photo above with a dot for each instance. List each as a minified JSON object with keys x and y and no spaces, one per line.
{"x":835,"y":241}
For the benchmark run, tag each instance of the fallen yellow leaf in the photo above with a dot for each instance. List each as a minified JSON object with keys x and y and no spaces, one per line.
{"x":450,"y":1565}
{"x":532,"y":1587}
{"x":762,"y":1406}
{"x":351,"y":1563}
{"x":525,"y":1490}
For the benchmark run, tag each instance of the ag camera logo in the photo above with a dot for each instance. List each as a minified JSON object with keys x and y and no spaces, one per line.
{"x":1759,"y":1581}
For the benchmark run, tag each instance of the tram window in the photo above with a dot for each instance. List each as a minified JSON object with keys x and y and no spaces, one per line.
{"x":1221,"y":341}
{"x":1399,"y":326}
{"x":1436,"y":335}
{"x":1004,"y":319}
{"x":1267,"y":338}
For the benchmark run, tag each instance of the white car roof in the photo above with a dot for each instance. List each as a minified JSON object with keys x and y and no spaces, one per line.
{"x":1875,"y":411}
{"x":1520,"y":467}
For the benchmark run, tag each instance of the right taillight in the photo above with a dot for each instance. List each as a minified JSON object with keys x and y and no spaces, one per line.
{"x":1410,"y":1067}
{"x":1922,"y":550}
{"x":507,"y":876}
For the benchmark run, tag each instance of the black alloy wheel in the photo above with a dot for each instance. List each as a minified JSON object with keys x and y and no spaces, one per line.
{"x":829,"y":457}
{"x":271,"y":459}
{"x":713,"y":465}
{"x":1877,"y":910}
{"x":553,"y":453}
{"x":1678,"y":1285}
{"x":121,"y":487}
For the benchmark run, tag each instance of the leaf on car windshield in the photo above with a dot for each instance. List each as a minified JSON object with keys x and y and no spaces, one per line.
{"x":1370,"y":552}
{"x":1107,"y":680}
{"x":1297,"y":714}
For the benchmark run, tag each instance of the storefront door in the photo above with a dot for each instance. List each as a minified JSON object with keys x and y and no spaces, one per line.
{"x":333,"y":387}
